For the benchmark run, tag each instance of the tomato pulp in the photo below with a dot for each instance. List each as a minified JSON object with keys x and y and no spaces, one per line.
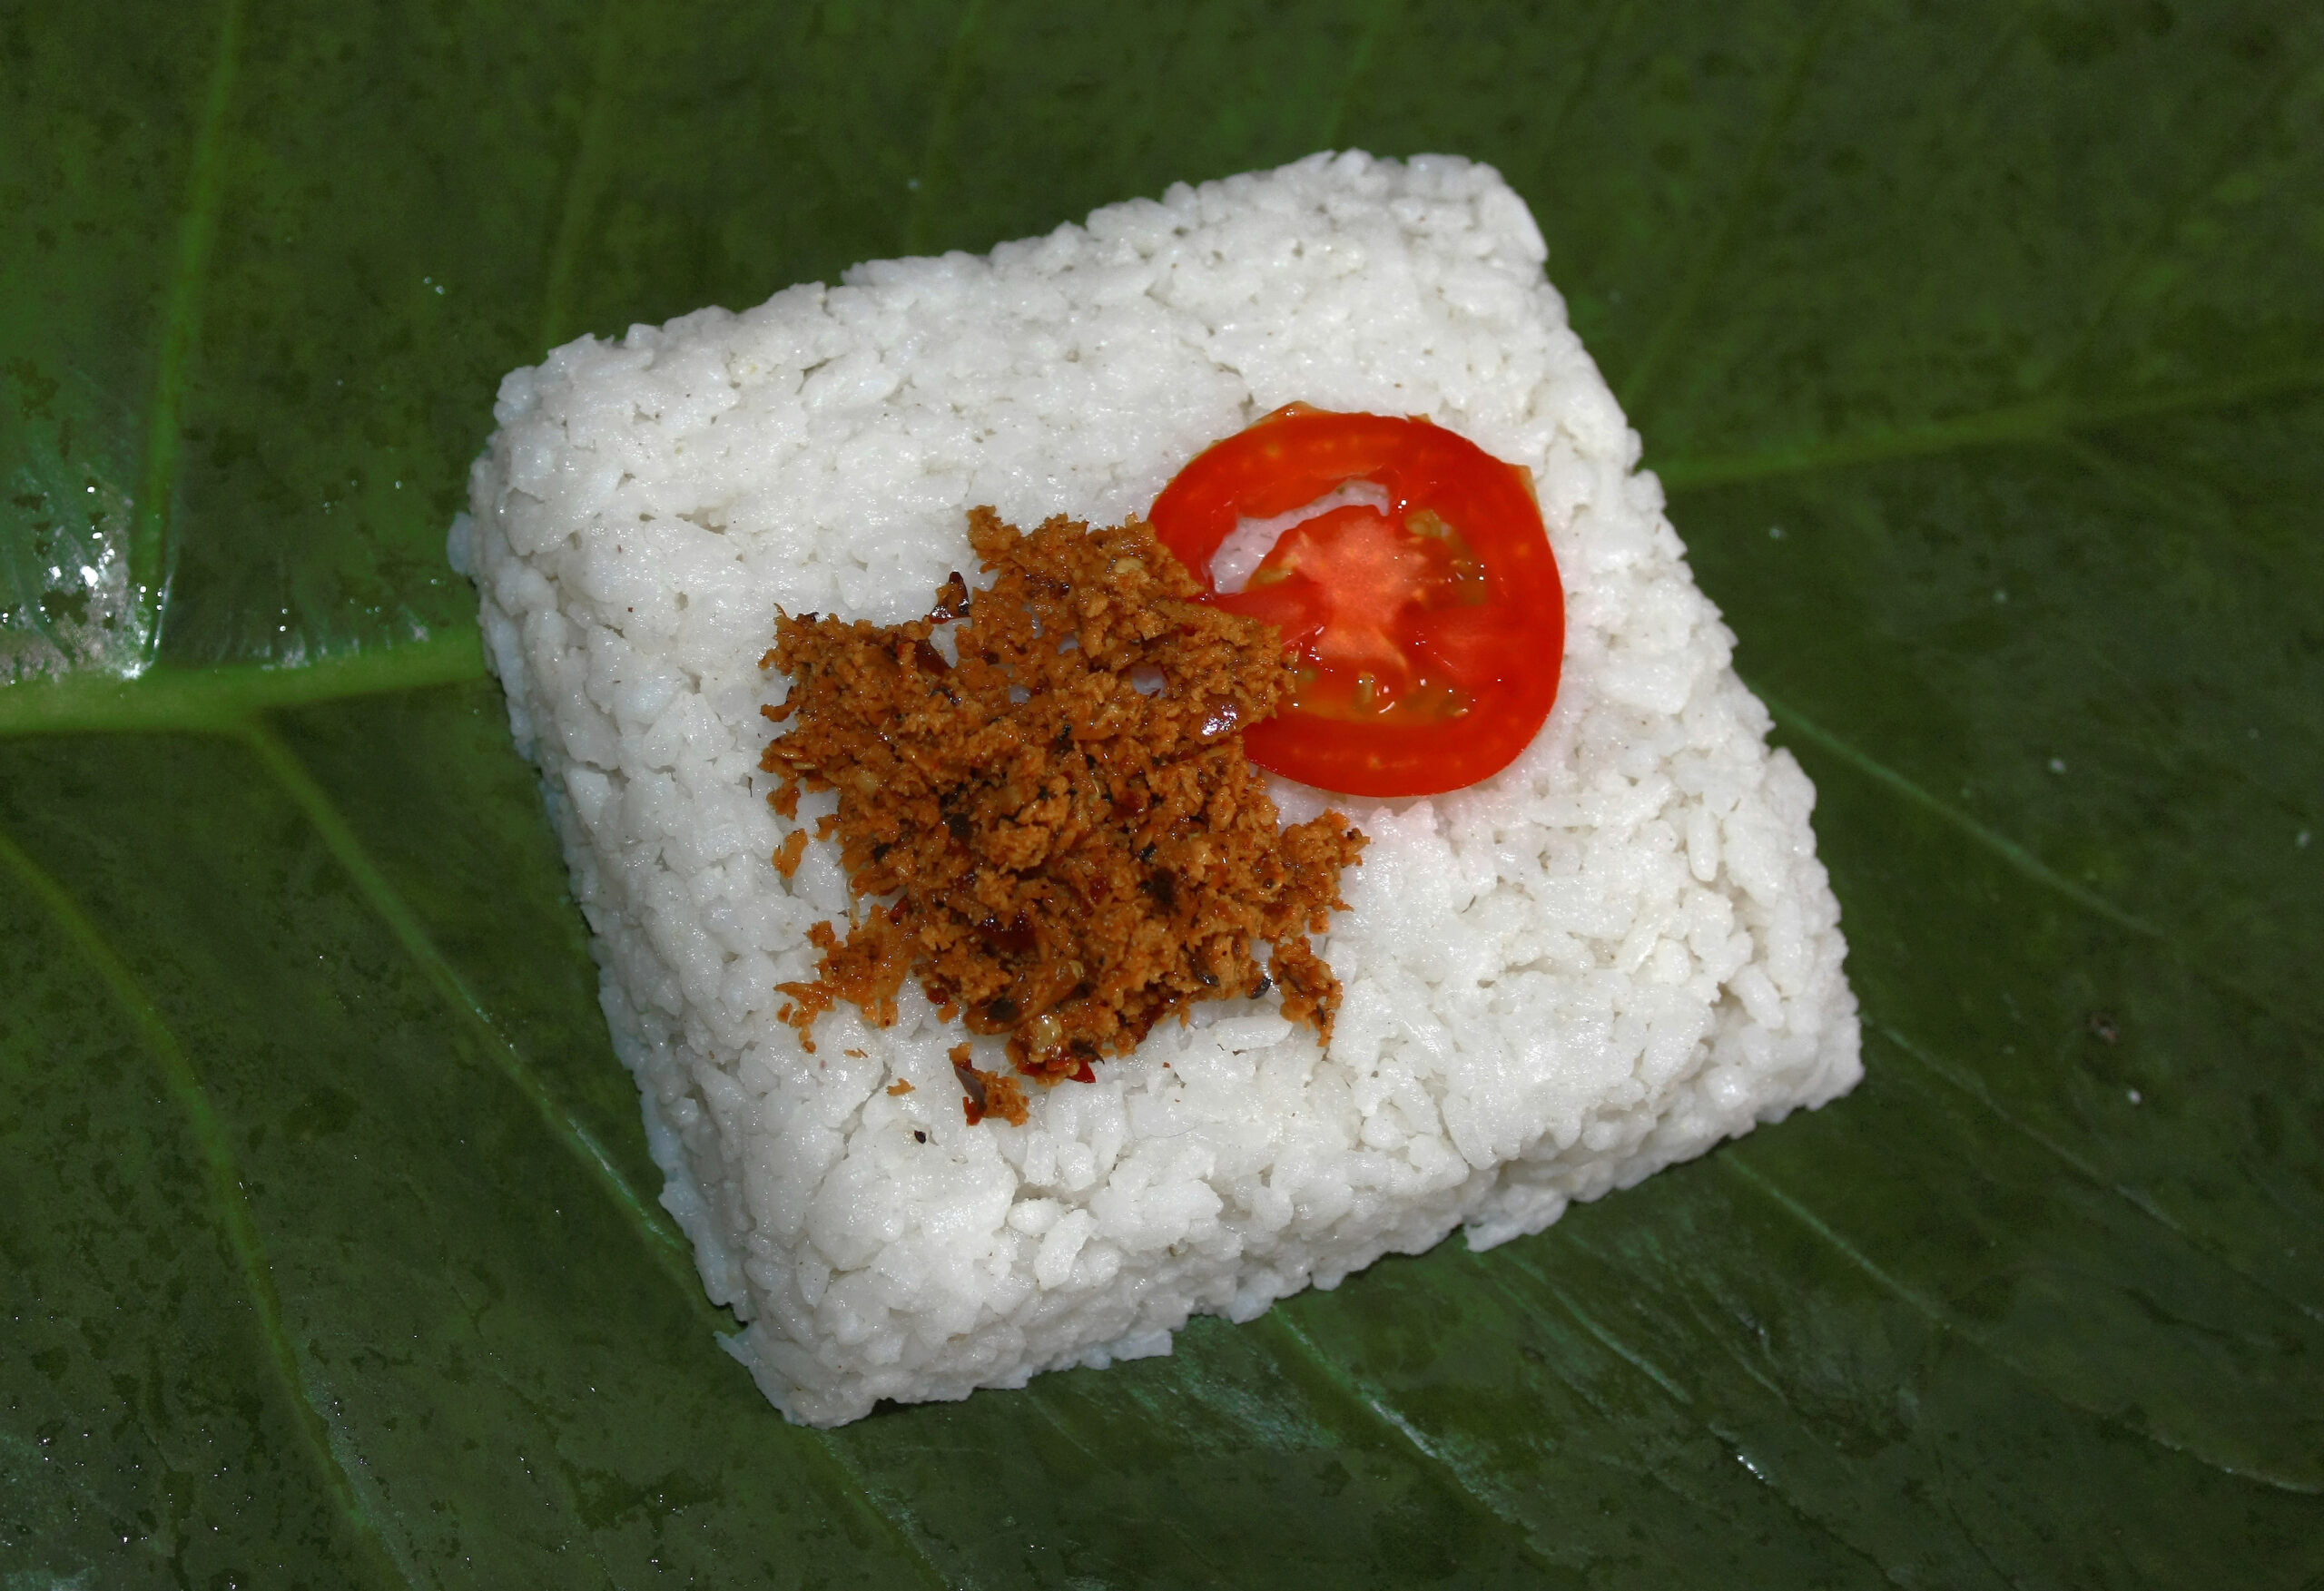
{"x":1428,"y":634}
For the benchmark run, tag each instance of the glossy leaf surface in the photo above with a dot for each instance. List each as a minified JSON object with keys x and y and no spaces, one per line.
{"x":1982,"y":348}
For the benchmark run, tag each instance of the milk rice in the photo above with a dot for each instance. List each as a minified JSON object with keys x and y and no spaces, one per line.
{"x":1607,"y":957}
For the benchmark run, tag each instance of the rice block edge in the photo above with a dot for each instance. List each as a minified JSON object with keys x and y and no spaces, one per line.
{"x":1606,"y":958}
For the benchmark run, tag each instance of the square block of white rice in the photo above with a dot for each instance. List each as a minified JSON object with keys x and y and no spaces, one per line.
{"x":1606,"y":958}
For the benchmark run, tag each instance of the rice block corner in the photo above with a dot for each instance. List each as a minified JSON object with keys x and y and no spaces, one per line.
{"x":1606,"y":958}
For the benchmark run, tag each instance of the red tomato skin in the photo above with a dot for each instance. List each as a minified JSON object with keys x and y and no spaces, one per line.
{"x":1296,"y":456}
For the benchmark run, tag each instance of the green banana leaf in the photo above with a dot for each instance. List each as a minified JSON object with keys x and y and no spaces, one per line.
{"x":1980,"y":346}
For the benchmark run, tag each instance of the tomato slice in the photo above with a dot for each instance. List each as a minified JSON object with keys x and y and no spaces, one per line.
{"x":1429,"y":635}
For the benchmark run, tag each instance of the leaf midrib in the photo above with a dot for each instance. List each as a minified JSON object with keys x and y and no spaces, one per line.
{"x":219,"y":700}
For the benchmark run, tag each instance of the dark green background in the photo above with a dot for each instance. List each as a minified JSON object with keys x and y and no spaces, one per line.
{"x":1982,"y":346}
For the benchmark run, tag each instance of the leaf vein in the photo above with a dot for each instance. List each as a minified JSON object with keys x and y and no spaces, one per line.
{"x":1713,"y":259}
{"x":2172,"y":215}
{"x":946,"y":102}
{"x":1718,"y":1433}
{"x":1379,"y":1412}
{"x":672,"y":1256}
{"x":1593,"y":55}
{"x":1359,"y":64}
{"x":1974,"y":1088}
{"x":579,"y":193}
{"x":150,"y":547}
{"x":1944,"y":1320}
{"x":2026,"y":863}
{"x":321,"y":1437}
{"x":2039,"y":420}
{"x":1091,"y":1465}
{"x":668,"y":1247}
{"x":891,"y":1513}
{"x":2000,"y":844}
